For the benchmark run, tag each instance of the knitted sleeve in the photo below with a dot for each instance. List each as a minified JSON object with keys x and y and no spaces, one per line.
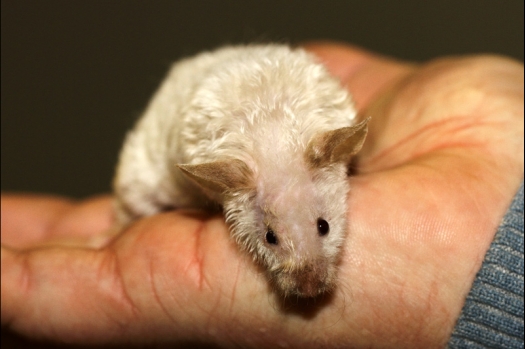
{"x":492,"y":316}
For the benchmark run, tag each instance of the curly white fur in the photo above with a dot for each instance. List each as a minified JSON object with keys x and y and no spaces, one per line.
{"x":263,"y":105}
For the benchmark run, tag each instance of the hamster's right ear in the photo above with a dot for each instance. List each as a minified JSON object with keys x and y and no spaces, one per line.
{"x":336,"y":146}
{"x":220,"y":176}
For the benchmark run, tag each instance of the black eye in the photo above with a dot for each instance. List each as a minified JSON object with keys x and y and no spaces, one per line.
{"x":322,"y":227}
{"x":271,"y":237}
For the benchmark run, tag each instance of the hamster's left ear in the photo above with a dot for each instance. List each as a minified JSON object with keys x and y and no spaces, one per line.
{"x":220,"y":176}
{"x":336,"y":146}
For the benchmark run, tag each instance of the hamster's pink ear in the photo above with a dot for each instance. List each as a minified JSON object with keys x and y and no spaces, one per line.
{"x":336,"y":146}
{"x":220,"y":176}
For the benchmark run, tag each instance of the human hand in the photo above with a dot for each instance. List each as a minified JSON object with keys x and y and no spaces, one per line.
{"x":443,"y":158}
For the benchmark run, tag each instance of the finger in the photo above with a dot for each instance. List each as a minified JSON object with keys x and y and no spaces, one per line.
{"x":81,"y":295}
{"x":32,"y":219}
{"x":362,"y":72}
{"x":59,"y":293}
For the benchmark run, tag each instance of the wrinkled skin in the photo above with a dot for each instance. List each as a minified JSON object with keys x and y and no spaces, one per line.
{"x":443,"y":159}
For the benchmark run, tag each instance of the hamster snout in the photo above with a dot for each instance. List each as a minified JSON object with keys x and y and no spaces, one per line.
{"x":307,"y":279}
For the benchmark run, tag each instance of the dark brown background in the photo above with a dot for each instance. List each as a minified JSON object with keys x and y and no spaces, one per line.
{"x":76,"y":74}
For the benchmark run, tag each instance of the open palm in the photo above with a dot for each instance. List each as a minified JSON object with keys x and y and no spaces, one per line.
{"x":443,"y":158}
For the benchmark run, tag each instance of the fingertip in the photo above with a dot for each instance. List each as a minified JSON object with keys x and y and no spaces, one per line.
{"x":26,"y":217}
{"x":362,"y":72}
{"x":29,"y":220}
{"x":341,"y":59}
{"x":333,"y":46}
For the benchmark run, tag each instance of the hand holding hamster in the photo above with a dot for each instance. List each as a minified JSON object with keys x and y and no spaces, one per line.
{"x":266,"y":133}
{"x":442,"y":160}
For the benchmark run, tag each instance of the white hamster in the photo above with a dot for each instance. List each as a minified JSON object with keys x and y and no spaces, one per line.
{"x":266,"y":133}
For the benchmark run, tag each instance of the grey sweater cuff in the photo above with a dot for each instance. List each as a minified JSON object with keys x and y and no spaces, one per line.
{"x":492,"y":316}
